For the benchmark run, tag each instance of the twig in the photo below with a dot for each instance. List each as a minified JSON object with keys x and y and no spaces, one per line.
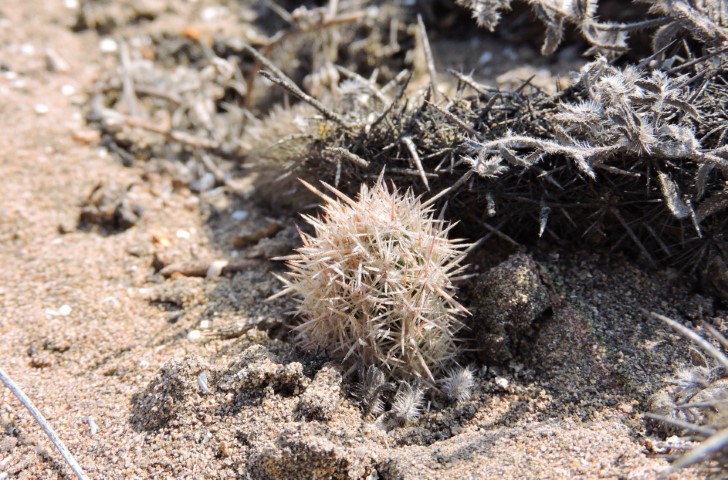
{"x":453,"y":118}
{"x":282,"y":36}
{"x":277,"y":76}
{"x":338,"y":152}
{"x":127,"y":80}
{"x":42,"y":422}
{"x":703,"y":343}
{"x":367,"y":83}
{"x":428,"y":56}
{"x":416,"y":158}
{"x":633,"y":236}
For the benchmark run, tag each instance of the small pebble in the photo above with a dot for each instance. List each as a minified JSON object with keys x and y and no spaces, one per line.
{"x":202,"y":383}
{"x":71,"y":4}
{"x":194,"y":335}
{"x":108,"y":45}
{"x":501,"y":382}
{"x":68,"y":90}
{"x":63,"y":311}
{"x":41,"y":108}
{"x":205,"y":324}
{"x":215,"y":269}
{"x":240,"y":215}
{"x":27,"y":49}
{"x":92,"y":426}
{"x":183,"y":234}
{"x":485,"y":58}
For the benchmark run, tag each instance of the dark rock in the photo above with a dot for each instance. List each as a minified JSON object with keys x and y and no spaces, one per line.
{"x":512,"y":297}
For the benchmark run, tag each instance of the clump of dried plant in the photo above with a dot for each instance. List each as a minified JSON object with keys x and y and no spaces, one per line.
{"x":704,"y":20}
{"x":458,"y":384}
{"x":696,"y":403}
{"x":375,"y":284}
{"x":632,"y":158}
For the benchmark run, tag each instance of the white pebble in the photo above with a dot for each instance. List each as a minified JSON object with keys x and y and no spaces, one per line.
{"x":41,"y":109}
{"x":65,"y":310}
{"x":68,"y":90}
{"x":144,"y":364}
{"x":485,"y":58}
{"x":92,"y":426}
{"x":108,"y":45}
{"x":240,"y":215}
{"x":501,"y":382}
{"x":113,"y":301}
{"x":183,"y":234}
{"x":205,"y":324}
{"x":202,"y":383}
{"x":194,"y":335}
{"x":71,"y":4}
{"x":215,"y":269}
{"x":27,"y":49}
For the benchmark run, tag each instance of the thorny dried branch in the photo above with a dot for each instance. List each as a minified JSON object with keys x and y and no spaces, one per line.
{"x":632,"y":158}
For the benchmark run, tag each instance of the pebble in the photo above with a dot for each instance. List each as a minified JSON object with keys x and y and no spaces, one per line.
{"x":27,"y":49}
{"x":194,"y":335}
{"x":108,"y":45}
{"x":41,"y":109}
{"x":240,"y":215}
{"x":501,"y":382}
{"x":63,"y":311}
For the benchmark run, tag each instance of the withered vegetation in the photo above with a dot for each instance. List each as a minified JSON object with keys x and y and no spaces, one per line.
{"x":630,"y":156}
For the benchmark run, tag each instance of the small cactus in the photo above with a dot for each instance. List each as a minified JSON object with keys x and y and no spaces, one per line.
{"x":375,"y":283}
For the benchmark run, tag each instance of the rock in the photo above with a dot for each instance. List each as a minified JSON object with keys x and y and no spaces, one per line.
{"x":512,"y":297}
{"x":168,"y":393}
{"x":258,"y":368}
{"x":321,"y":398}
{"x":299,"y":456}
{"x":109,"y":208}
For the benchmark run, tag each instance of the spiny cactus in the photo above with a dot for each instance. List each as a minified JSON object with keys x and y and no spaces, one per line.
{"x":375,"y":283}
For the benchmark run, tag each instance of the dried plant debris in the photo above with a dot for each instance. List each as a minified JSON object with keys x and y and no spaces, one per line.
{"x":706,"y":21}
{"x":110,"y":208}
{"x":370,"y":389}
{"x":190,"y":90}
{"x":696,"y":402}
{"x":458,"y":384}
{"x":408,"y":402}
{"x":631,"y":158}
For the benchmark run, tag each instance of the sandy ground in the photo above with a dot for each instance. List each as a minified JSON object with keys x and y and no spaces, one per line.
{"x":108,"y":351}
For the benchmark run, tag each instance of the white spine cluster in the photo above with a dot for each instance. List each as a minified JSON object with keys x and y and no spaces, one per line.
{"x":375,"y":283}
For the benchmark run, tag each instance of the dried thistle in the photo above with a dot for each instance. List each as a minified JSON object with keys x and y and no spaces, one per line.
{"x":699,"y":402}
{"x":375,"y":283}
{"x":408,"y":402}
{"x":369,"y":390}
{"x":458,"y":384}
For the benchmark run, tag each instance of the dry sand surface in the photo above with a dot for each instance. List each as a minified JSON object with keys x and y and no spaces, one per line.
{"x":109,"y":351}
